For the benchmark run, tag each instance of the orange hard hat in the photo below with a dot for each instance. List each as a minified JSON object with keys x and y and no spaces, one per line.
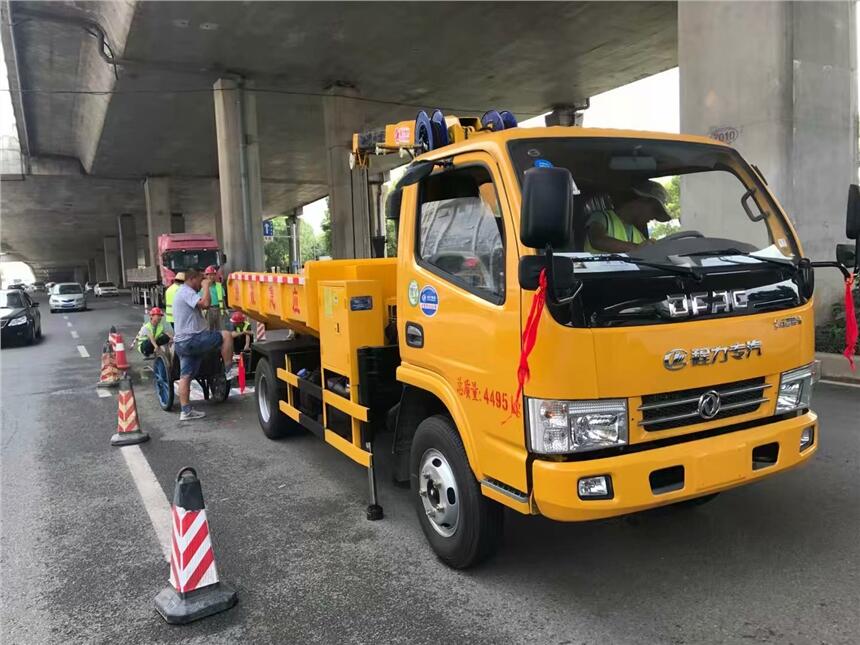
{"x":210,"y":269}
{"x":156,"y":311}
{"x":237,"y":317}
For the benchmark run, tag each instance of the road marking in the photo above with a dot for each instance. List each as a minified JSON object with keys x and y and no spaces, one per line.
{"x":828,"y":382}
{"x":74,"y":333}
{"x":83,"y":351}
{"x":68,"y":324}
{"x":103,"y":394}
{"x":65,"y":317}
{"x":153,"y":497}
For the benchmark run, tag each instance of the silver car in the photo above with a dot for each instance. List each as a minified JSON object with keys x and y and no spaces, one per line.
{"x":67,"y":296}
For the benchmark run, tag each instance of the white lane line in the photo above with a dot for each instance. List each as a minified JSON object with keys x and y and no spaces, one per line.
{"x":83,"y":351}
{"x":103,"y":394}
{"x":842,"y":383}
{"x":68,"y":324}
{"x":74,"y":334}
{"x":65,"y":317}
{"x":153,"y":497}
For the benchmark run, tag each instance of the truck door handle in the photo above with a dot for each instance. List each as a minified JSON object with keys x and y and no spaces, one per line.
{"x":414,"y":335}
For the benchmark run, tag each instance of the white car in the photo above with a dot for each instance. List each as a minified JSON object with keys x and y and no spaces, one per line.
{"x":67,"y":296}
{"x":105,"y":289}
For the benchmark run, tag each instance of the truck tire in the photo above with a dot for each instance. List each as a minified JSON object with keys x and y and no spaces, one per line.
{"x":275,"y":424}
{"x":462,"y":526}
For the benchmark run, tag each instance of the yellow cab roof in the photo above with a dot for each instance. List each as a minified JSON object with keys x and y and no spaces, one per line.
{"x":483,"y":141}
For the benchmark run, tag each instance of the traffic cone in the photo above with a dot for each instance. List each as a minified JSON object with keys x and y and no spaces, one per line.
{"x":119,"y":349}
{"x":195,"y":590}
{"x":127,"y":427}
{"x":108,"y":377}
{"x":241,"y":374}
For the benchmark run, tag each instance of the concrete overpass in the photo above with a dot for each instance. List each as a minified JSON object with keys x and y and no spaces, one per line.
{"x":230,"y":112}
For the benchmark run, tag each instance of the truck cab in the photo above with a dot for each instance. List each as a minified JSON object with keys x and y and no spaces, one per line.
{"x":538,"y":371}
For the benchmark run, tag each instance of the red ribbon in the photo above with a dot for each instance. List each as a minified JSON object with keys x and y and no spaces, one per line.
{"x":529,"y":338}
{"x":850,"y":323}
{"x":241,"y":374}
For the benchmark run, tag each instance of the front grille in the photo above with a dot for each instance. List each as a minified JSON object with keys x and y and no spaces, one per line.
{"x":675,"y":409}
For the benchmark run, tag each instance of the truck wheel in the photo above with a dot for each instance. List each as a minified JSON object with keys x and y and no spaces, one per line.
{"x":462,"y":526}
{"x":219,"y":388}
{"x":163,"y":383}
{"x":275,"y":424}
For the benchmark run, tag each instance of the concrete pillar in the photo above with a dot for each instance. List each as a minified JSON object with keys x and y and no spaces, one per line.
{"x":240,"y":187}
{"x":80,"y":275}
{"x":91,"y":270}
{"x":216,"y":212}
{"x":142,"y":239}
{"x":349,"y":202}
{"x":783,"y":76}
{"x":126,"y":231}
{"x":177,"y":223}
{"x":158,"y":215}
{"x":100,"y":273}
{"x":111,"y":248}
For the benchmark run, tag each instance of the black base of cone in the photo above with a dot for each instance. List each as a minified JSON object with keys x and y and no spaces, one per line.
{"x":198,"y":604}
{"x":107,"y":383}
{"x":374,"y":512}
{"x":128,"y":438}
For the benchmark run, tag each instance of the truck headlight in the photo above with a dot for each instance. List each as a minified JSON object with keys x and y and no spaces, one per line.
{"x":795,"y":389}
{"x":20,"y":320}
{"x":558,"y":427}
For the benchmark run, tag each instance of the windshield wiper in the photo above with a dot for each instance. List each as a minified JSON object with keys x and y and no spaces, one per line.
{"x":671,"y":268}
{"x":783,"y":263}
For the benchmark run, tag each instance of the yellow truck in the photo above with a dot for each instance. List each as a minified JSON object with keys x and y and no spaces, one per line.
{"x":522,"y":359}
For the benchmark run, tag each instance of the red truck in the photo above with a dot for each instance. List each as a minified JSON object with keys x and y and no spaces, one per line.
{"x":176,"y":252}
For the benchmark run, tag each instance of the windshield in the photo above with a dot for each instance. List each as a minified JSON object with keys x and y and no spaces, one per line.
{"x":183,"y":260}
{"x":11,"y":300}
{"x":106,"y":284}
{"x":67,"y":289}
{"x":665,"y":201}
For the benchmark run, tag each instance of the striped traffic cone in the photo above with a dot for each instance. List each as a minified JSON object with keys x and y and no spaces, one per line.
{"x":128,"y":430}
{"x":119,"y":349}
{"x":195,"y":590}
{"x":108,"y":377}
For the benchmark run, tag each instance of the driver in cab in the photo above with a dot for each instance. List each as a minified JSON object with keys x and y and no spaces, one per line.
{"x":626,"y":227}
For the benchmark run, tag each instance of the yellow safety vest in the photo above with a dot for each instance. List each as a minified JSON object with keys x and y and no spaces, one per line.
{"x":618,"y":229}
{"x":169,"y":295}
{"x":158,"y":331}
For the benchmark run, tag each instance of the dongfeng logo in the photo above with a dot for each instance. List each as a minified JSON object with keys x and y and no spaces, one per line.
{"x":709,"y":404}
{"x":714,"y":302}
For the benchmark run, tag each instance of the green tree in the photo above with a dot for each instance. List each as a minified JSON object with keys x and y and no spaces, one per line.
{"x":325,"y":237}
{"x":277,"y":251}
{"x":309,"y":242}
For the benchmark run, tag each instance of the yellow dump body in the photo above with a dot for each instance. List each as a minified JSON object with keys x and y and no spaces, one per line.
{"x":288,"y":301}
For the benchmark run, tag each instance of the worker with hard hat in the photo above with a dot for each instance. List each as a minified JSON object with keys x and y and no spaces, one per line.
{"x":153,"y":333}
{"x":170,"y":294}
{"x":240,"y":329}
{"x":217,"y":299}
{"x":623,"y":229}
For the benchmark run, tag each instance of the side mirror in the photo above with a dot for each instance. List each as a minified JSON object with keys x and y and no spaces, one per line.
{"x":846,"y":255}
{"x":852,"y":217}
{"x":35,"y":303}
{"x":415,"y":173}
{"x":546,"y":216}
{"x":392,"y":204}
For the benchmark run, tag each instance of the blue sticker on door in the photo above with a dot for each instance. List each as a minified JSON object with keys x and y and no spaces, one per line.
{"x":428,"y":300}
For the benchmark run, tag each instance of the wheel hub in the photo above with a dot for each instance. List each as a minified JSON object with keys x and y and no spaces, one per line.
{"x":439,"y":494}
{"x":263,"y":398}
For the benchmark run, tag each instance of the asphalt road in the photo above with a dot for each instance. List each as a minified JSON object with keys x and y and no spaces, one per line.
{"x":776,"y":562}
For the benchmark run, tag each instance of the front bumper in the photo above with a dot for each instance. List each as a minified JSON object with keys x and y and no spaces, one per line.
{"x":710,"y":465}
{"x":14,"y":333}
{"x":69,"y":305}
